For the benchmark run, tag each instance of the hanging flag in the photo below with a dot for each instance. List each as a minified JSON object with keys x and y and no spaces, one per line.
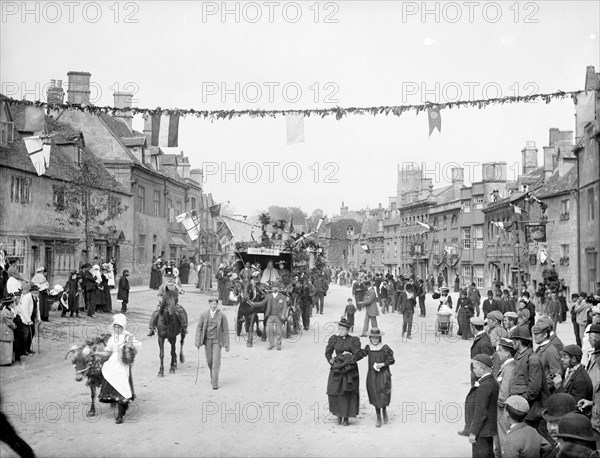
{"x":584,"y":112}
{"x":435,"y":118}
{"x":215,"y":210}
{"x":291,"y":229}
{"x":191,"y":227}
{"x":499,"y":225}
{"x":518,"y":210}
{"x":543,"y":256}
{"x":224,"y":233}
{"x":426,"y":226}
{"x":295,"y":128}
{"x":34,"y":119}
{"x":180,"y":218}
{"x":164,"y":129}
{"x":39,"y":153}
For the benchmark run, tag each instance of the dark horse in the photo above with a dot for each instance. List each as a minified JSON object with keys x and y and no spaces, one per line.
{"x":248,"y":314}
{"x":169,"y":327}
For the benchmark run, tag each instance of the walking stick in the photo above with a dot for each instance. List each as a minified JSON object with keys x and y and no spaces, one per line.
{"x":38,"y":337}
{"x":197,"y":367}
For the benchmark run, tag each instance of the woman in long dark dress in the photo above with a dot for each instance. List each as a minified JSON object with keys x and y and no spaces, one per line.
{"x":379,"y":377}
{"x":464,"y":312}
{"x":343,"y":381}
{"x":107,"y":307}
{"x":156,"y":274}
{"x":184,"y":271}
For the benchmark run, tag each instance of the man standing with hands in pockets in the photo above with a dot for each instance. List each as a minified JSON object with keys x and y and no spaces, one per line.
{"x":371,"y":311}
{"x":213,"y":333}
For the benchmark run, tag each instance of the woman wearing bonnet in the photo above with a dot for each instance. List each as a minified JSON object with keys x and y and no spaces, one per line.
{"x":120,"y":349}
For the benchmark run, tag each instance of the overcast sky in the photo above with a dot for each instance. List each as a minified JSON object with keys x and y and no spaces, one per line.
{"x":356,"y":53}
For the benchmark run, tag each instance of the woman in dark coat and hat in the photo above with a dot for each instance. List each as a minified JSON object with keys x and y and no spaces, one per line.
{"x":464,"y":312}
{"x":379,"y":377}
{"x":343,"y":381}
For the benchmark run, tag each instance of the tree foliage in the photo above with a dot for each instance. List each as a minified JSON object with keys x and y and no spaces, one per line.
{"x":86,"y":200}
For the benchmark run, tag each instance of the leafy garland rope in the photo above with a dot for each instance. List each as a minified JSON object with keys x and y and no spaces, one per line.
{"x":338,"y":112}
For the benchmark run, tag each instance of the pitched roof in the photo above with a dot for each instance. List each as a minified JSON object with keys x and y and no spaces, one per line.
{"x":61,"y":166}
{"x":556,"y":184}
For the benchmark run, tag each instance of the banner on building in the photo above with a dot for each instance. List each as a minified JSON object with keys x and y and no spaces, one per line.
{"x":34,"y":119}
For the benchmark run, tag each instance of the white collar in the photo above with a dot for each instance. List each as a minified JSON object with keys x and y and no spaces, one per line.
{"x":507,"y":361}
{"x":212,"y":314}
{"x":275,"y":293}
{"x":377,"y":347}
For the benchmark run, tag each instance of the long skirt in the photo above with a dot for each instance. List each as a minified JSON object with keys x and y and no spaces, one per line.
{"x":6,"y":353}
{"x":155,"y":279}
{"x":109,"y":394}
{"x":344,"y":405}
{"x":44,"y":306}
{"x":464,"y":324}
{"x":107,"y":307}
{"x":379,"y":387}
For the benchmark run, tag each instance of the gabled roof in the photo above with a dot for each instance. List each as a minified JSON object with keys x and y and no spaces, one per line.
{"x":556,"y":184}
{"x":61,"y":166}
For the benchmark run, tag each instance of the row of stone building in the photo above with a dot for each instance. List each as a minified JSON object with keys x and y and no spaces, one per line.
{"x":150,"y":185}
{"x":500,"y":229}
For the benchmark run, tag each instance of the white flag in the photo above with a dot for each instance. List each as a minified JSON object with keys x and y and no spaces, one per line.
{"x":543,"y":256}
{"x":295,"y":128}
{"x":517,"y":209}
{"x":180,"y":218}
{"x":191,"y":227}
{"x":319,"y":224}
{"x":39,"y":153}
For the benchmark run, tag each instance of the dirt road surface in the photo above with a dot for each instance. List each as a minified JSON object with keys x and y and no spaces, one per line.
{"x":269,"y":403}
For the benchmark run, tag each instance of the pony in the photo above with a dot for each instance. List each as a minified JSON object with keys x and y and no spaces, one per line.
{"x":87,"y":363}
{"x":248,"y":314}
{"x":169,"y":327}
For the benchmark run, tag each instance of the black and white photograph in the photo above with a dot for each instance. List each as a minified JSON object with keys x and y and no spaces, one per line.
{"x":352,"y":228}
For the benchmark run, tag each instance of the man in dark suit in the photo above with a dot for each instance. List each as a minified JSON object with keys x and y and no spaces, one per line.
{"x":407,"y":306}
{"x":421,"y":295}
{"x":528,"y":380}
{"x":482,"y":343}
{"x":370,"y":304}
{"x":490,"y":304}
{"x":576,"y":381}
{"x":481,"y":408}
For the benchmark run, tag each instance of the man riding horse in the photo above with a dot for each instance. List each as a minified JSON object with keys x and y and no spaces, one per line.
{"x":177,"y":308}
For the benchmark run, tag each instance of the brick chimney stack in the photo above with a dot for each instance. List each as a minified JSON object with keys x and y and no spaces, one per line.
{"x":55,"y":94}
{"x":78,"y":90}
{"x":343,"y":210}
{"x":529,"y":157}
{"x":123,"y":100}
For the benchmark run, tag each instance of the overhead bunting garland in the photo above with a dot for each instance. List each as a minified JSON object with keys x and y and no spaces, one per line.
{"x":338,"y":112}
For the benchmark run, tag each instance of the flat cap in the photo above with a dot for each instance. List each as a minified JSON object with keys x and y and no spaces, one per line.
{"x":573,"y":350}
{"x":540,"y":327}
{"x":504,"y":342}
{"x":511,"y":315}
{"x":495,"y":314}
{"x":519,"y":403}
{"x":484,"y":359}
{"x":477,"y":321}
{"x":595,"y":328}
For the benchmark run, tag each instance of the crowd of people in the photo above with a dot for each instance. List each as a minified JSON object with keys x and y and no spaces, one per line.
{"x":26,"y":303}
